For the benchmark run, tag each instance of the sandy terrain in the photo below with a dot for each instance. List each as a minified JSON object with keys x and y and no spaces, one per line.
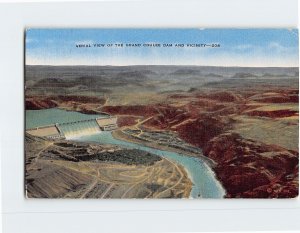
{"x":53,"y":170}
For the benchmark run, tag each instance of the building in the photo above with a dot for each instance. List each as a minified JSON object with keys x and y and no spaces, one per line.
{"x":107,"y":124}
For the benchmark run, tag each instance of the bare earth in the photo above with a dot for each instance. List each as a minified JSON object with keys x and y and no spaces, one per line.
{"x":53,"y":172}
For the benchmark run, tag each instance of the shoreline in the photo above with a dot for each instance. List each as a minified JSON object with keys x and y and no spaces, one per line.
{"x":188,"y":176}
{"x":188,"y":183}
{"x":118,"y":134}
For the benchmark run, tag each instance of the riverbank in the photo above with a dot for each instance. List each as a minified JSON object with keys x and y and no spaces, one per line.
{"x":120,"y":135}
{"x":73,"y":169}
{"x":197,"y":179}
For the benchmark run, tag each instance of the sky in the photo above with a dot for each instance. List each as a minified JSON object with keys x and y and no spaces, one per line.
{"x":238,"y":47}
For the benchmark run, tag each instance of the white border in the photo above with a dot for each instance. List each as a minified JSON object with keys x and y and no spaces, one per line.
{"x":61,"y":216}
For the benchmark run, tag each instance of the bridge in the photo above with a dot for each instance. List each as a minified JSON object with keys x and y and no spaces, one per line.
{"x":54,"y":131}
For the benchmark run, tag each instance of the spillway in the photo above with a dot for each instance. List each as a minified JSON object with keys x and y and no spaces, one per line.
{"x":79,"y":129}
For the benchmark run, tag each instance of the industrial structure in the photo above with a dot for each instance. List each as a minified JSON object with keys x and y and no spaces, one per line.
{"x":55,"y":131}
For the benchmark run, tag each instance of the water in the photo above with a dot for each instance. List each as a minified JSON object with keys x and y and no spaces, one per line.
{"x":79,"y":129}
{"x":36,"y":118}
{"x":205,"y":184}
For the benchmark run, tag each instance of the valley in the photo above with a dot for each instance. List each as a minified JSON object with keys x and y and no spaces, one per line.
{"x":242,"y":122}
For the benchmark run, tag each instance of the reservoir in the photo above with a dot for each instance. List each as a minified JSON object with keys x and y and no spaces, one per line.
{"x":205,"y":184}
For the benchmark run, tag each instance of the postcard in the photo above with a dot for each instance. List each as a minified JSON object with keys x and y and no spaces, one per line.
{"x":161,"y":113}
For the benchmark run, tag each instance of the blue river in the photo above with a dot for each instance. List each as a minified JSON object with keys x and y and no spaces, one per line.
{"x":205,"y":184}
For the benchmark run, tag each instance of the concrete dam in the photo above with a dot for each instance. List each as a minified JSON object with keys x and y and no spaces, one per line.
{"x":75,"y":129}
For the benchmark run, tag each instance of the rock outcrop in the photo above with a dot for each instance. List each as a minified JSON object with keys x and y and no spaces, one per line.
{"x":252,"y":169}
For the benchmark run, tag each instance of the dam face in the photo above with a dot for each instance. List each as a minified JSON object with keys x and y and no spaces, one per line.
{"x":75,"y":129}
{"x":81,"y":128}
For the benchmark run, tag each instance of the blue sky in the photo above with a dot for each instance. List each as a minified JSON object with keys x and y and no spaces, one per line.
{"x":238,"y":47}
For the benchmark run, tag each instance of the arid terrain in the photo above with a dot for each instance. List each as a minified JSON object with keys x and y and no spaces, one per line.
{"x":244,"y":121}
{"x":61,"y":169}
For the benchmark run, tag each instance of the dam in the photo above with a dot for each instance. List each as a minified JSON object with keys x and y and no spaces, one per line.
{"x":76,"y":126}
{"x":67,"y":130}
{"x":49,"y":131}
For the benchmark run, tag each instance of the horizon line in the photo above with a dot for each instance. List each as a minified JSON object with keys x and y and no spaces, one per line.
{"x":166,"y":65}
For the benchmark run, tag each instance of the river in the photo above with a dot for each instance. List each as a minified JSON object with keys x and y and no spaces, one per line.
{"x":205,"y":184}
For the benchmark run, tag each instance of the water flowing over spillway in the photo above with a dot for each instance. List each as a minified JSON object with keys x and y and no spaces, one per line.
{"x":79,"y":129}
{"x":86,"y":129}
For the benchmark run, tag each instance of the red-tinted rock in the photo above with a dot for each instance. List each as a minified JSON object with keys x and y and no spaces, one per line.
{"x":273,"y":114}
